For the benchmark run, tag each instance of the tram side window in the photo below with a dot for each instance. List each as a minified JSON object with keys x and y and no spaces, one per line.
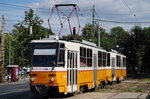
{"x":124,"y":62}
{"x":61,"y":55}
{"x":104,"y":59}
{"x":100,"y":59}
{"x":108,"y":59}
{"x":82,"y":57}
{"x":89,"y":57}
{"x":118,"y":61}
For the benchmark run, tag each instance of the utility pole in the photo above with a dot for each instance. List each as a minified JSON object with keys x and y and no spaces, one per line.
{"x":93,"y":14}
{"x":2,"y":50}
{"x":99,"y":44}
{"x":31,"y":31}
{"x":93,"y":22}
{"x":9,"y":49}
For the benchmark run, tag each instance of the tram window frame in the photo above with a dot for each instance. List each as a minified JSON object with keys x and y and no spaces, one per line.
{"x":83,"y":62}
{"x":108,"y":59}
{"x":68,"y":57}
{"x":104,"y":59}
{"x":76,"y":59}
{"x":118,"y":61}
{"x":81,"y":51}
{"x":41,"y":60}
{"x":124,"y":62}
{"x":100,"y":59}
{"x":89,"y":57}
{"x":61,"y":58}
{"x":73,"y":60}
{"x":84,"y":52}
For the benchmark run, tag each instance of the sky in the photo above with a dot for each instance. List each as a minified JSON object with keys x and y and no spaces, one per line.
{"x":114,"y":10}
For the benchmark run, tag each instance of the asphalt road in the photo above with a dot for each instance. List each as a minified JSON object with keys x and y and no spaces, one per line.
{"x":16,"y":91}
{"x":22,"y":91}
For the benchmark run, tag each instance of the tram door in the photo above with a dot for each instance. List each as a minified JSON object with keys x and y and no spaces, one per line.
{"x":113,"y":68}
{"x":121,"y":68}
{"x":72,"y":71}
{"x":95,"y":70}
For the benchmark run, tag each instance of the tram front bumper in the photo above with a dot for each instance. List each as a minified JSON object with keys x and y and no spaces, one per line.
{"x":43,"y":90}
{"x":48,"y":81}
{"x":39,"y":89}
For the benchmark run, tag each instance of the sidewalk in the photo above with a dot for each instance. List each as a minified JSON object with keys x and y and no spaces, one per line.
{"x":122,"y":95}
{"x":21,"y":81}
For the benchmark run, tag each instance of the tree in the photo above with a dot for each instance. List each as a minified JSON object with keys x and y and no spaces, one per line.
{"x":106,"y":43}
{"x":118,"y":34}
{"x":87,"y":32}
{"x":136,"y":48}
{"x":21,"y":38}
{"x":134,"y":44}
{"x":140,"y":53}
{"x":146,"y":60}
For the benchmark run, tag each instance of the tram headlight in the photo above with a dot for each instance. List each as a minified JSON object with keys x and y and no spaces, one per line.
{"x":52,"y":79}
{"x":33,"y":79}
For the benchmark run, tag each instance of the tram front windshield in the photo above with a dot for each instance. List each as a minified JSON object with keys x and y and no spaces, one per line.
{"x":44,"y":54}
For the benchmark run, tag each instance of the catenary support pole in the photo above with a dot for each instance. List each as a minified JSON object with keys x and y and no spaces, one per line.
{"x":93,"y":22}
{"x":99,"y":44}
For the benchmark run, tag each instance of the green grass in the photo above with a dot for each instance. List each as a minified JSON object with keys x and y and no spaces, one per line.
{"x":108,"y":86}
{"x":146,"y":79}
{"x":118,"y":88}
{"x":133,"y":90}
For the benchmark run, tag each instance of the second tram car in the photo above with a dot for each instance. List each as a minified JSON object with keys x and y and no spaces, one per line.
{"x":116,"y":66}
{"x":71,"y":66}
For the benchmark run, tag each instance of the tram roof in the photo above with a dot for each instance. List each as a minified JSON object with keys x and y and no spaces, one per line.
{"x":55,"y":39}
{"x":63,"y":41}
{"x":116,"y":52}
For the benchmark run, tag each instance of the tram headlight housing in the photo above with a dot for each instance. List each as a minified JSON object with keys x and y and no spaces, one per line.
{"x":52,"y":79}
{"x":32,"y":78}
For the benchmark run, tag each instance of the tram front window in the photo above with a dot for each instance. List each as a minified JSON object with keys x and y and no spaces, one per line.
{"x":44,"y":54}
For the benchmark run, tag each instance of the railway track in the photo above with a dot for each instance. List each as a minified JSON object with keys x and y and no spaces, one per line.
{"x":117,"y":95}
{"x":148,"y":86}
{"x":136,"y":84}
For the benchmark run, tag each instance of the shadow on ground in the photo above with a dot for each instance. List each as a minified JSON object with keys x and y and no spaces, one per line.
{"x":148,"y":97}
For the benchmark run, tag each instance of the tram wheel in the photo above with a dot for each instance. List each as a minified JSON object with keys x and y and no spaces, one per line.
{"x":82,"y":89}
{"x":102,"y":84}
{"x":118,"y":80}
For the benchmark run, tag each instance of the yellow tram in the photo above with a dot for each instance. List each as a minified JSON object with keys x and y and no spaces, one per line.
{"x":116,"y":66}
{"x":71,"y":66}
